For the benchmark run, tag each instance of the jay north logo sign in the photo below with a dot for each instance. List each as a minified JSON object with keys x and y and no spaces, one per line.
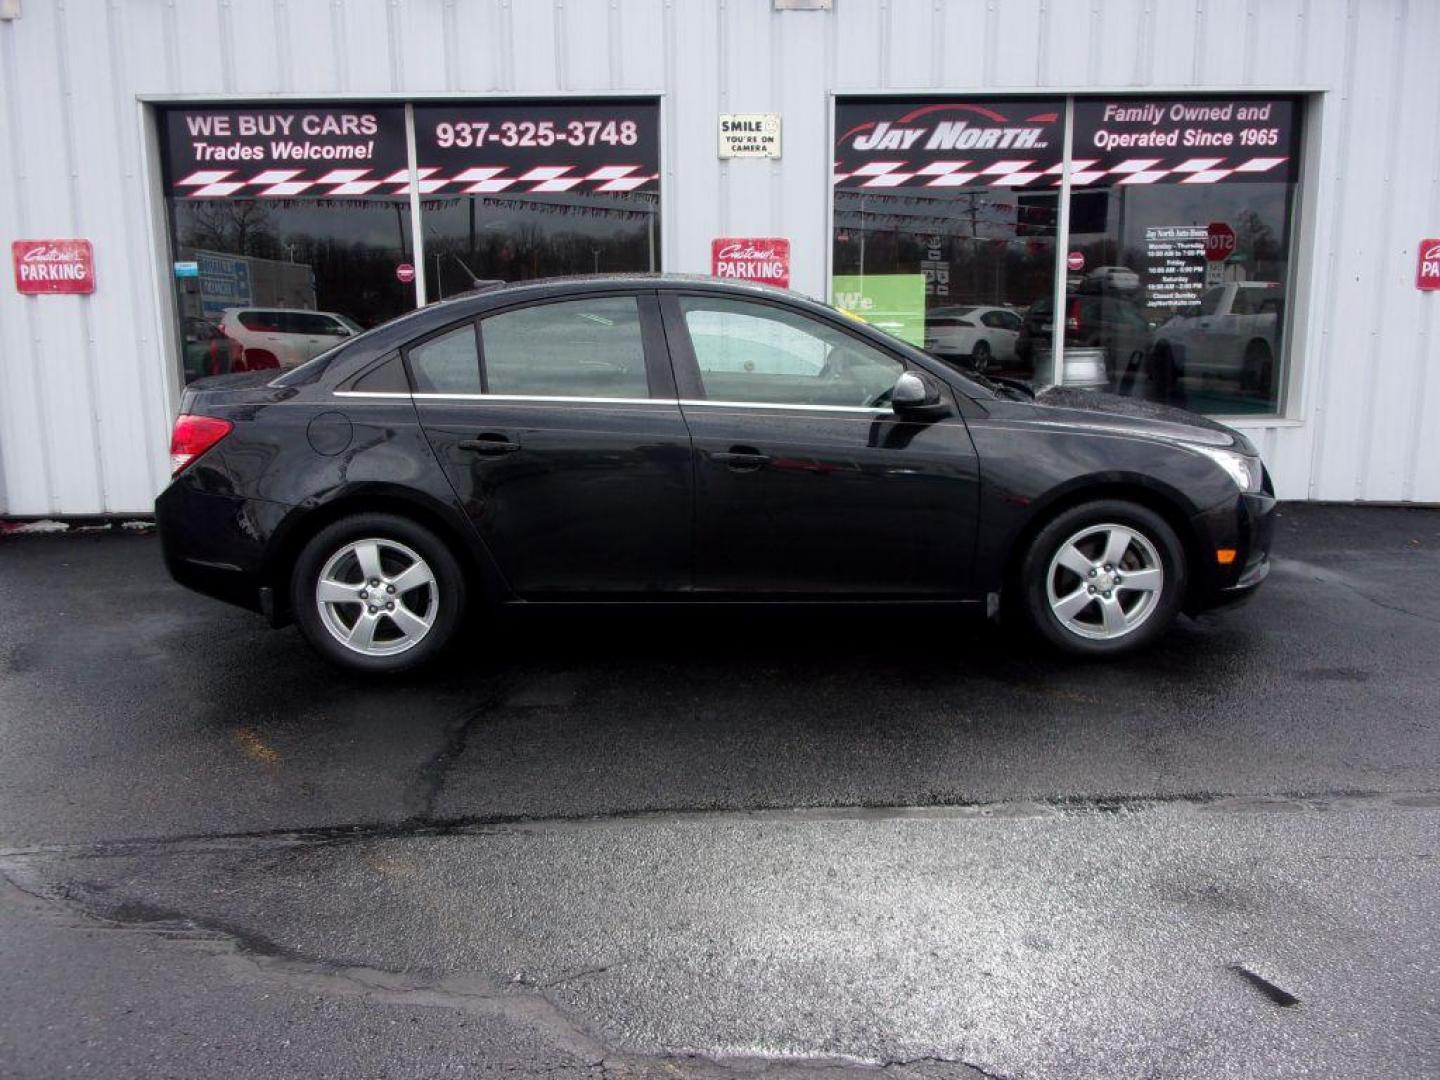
{"x":888,"y":144}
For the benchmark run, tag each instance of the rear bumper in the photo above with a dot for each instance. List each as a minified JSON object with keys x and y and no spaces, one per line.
{"x":1246,"y":525}
{"x":215,"y":543}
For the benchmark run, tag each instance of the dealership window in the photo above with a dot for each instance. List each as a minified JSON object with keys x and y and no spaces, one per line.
{"x":1171,"y":259}
{"x":945,"y":224}
{"x":1180,"y":217}
{"x":518,"y":191}
{"x":291,"y":226}
{"x":287,"y":227}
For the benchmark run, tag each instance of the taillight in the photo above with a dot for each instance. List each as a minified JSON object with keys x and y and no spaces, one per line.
{"x":193,"y":435}
{"x":1072,"y":321}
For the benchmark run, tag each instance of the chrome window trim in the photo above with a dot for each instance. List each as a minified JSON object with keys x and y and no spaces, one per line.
{"x":782,"y":405}
{"x":542,"y":398}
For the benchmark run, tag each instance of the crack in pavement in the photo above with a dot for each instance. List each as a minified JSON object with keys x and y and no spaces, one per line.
{"x":1330,"y":577}
{"x":429,"y":781}
{"x":246,"y":955}
{"x":421,"y":826}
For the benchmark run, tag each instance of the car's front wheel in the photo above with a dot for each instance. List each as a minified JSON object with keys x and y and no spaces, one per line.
{"x":1103,"y":578}
{"x":377,"y":593}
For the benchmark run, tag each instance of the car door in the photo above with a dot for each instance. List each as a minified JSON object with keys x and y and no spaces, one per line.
{"x":264,"y":331}
{"x":557,"y":425}
{"x":1196,"y":334}
{"x":807,"y":483}
{"x":314,"y":333}
{"x":1004,"y":329}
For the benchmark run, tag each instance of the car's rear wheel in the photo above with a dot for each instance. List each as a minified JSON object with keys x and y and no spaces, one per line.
{"x":378,"y":593}
{"x":1103,"y":578}
{"x":1258,"y":369}
{"x":981,"y":356}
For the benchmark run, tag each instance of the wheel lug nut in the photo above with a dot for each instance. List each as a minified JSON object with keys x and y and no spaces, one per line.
{"x":390,"y":606}
{"x":374,"y":581}
{"x":373,"y":609}
{"x":1107,"y":594}
{"x":364,"y":595}
{"x":1092,"y":573}
{"x":1092,"y":590}
{"x":389,"y":588}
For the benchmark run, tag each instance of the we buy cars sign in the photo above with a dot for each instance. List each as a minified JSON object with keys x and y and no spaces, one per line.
{"x":53,"y":266}
{"x":765,"y":260}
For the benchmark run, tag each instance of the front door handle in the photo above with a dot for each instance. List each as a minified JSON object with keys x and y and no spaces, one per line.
{"x":742,"y":458}
{"x":489,"y":444}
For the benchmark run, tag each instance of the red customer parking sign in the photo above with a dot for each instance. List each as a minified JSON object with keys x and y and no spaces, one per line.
{"x":1427,"y":273}
{"x":53,"y":266}
{"x":761,"y":259}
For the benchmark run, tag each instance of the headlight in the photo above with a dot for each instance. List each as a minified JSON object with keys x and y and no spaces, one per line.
{"x":1247,"y":472}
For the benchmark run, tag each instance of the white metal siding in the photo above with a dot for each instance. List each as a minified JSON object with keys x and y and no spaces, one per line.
{"x":86,"y":387}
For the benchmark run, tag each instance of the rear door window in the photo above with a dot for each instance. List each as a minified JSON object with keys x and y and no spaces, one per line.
{"x":448,"y":363}
{"x":590,"y":347}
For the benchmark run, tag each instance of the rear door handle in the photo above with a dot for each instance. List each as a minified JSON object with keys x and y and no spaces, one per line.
{"x":489,"y":444}
{"x":742,"y":458}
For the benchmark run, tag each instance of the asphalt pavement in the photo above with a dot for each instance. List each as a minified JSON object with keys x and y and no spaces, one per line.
{"x":709,"y":844}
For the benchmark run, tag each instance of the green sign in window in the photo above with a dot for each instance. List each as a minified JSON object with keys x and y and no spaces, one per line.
{"x":893,"y":302}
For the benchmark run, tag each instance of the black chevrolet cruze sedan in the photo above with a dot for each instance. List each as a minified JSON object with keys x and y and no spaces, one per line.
{"x":666,"y":438}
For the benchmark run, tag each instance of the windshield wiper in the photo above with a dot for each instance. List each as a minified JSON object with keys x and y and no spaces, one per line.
{"x":1014,"y":384}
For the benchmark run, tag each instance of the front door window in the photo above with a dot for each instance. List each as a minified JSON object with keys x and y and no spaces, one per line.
{"x":749,"y":352}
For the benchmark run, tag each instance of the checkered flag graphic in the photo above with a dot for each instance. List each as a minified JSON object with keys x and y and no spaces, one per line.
{"x":1083,"y":172}
{"x":478,"y":180}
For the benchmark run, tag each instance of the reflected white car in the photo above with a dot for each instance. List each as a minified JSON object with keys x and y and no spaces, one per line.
{"x":981,"y":336}
{"x":290,"y":335}
{"x":1113,"y":277}
{"x":1234,"y":334}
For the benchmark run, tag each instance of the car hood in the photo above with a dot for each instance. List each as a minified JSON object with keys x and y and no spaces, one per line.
{"x":1113,"y":412}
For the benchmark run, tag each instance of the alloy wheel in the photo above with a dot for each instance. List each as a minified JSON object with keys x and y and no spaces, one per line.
{"x":377,"y":597}
{"x":1105,"y":581}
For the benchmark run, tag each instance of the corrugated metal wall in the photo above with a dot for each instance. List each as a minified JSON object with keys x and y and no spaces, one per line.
{"x":85,"y":387}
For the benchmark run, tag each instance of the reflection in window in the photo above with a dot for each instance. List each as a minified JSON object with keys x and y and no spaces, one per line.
{"x":448,"y":364}
{"x":471,"y":238}
{"x":574,"y":348}
{"x":1185,"y":260}
{"x":754,"y":352}
{"x":284,"y":279}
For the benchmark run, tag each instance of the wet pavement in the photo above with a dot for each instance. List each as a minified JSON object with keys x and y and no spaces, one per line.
{"x":687,"y":844}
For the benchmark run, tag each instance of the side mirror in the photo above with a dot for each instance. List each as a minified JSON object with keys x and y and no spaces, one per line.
{"x":910,"y":391}
{"x":916,"y":398}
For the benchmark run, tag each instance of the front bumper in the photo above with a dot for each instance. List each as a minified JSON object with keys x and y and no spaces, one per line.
{"x":1246,"y":525}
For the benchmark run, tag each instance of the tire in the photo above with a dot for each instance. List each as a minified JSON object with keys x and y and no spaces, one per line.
{"x":1095,"y":624}
{"x":1258,"y":370}
{"x":405,"y":628}
{"x":980,"y":356}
